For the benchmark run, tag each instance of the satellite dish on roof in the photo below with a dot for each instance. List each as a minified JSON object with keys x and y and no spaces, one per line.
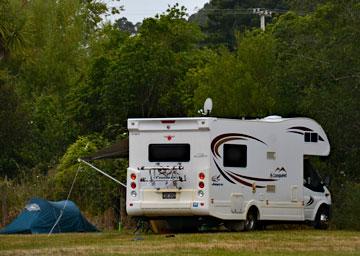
{"x":208,"y":106}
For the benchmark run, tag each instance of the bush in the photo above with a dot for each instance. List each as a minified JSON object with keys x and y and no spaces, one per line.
{"x":92,"y":192}
{"x":15,"y":193}
{"x":346,"y":207}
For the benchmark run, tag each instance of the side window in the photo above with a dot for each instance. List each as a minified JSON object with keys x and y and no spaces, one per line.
{"x":314,"y":137}
{"x":235,"y":155}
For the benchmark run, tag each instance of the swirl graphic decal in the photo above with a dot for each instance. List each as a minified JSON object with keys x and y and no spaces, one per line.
{"x":230,"y":176}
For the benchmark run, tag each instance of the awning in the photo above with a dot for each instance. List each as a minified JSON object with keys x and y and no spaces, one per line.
{"x":117,"y":150}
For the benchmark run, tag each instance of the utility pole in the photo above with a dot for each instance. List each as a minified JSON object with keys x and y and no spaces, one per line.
{"x":262,"y":13}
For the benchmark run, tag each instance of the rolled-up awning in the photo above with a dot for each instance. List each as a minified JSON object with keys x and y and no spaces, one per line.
{"x":117,"y":150}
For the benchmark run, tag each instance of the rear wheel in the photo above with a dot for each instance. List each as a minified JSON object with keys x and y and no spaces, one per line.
{"x":322,"y":218}
{"x":251,"y":220}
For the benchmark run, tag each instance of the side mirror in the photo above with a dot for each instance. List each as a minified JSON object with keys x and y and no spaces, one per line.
{"x":327,"y":181}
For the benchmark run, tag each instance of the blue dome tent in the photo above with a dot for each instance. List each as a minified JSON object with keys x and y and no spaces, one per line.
{"x":39,"y":216}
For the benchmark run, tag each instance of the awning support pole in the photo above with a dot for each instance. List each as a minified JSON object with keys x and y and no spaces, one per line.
{"x":103,"y":173}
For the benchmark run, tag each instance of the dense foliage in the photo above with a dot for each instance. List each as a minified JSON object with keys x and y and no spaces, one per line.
{"x":68,"y":82}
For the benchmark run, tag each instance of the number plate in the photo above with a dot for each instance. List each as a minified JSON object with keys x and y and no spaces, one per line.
{"x":169,"y":195}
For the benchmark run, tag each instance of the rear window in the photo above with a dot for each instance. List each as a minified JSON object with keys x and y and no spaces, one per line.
{"x":169,"y":152}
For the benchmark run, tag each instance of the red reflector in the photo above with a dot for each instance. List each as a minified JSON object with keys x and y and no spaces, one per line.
{"x":133,"y":176}
{"x":168,"y":121}
{"x":201,"y":184}
{"x":133,"y":185}
{"x":202,"y":204}
{"x":201,"y":175}
{"x":131,"y":204}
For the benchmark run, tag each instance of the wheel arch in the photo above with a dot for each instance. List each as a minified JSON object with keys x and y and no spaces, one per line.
{"x":253,"y":205}
{"x":317,"y":207}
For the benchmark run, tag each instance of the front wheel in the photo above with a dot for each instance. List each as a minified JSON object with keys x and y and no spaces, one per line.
{"x":322,"y":218}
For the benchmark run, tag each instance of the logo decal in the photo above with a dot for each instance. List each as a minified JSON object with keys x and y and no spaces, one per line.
{"x":169,"y":137}
{"x":279,"y":173}
{"x":216,"y":180}
{"x":32,"y":207}
{"x":311,"y":200}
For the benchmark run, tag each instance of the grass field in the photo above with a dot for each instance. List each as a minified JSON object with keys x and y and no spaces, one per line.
{"x":279,"y":242}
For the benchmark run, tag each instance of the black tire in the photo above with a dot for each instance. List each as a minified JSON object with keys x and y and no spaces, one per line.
{"x":251,"y":220}
{"x":322,"y":218}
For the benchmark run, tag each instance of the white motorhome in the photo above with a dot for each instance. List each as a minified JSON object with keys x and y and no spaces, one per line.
{"x":237,"y":172}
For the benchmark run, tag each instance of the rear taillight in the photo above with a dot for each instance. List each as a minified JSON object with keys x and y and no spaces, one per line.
{"x":133,"y":185}
{"x":133,"y":176}
{"x":201,"y":184}
{"x":201,"y":175}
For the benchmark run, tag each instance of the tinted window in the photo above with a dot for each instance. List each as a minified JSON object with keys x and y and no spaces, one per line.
{"x":314,"y":137}
{"x":169,"y":152}
{"x":235,"y":155}
{"x":311,"y":137}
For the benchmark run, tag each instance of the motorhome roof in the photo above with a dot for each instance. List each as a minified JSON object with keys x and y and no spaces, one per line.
{"x":273,"y":118}
{"x":173,"y":118}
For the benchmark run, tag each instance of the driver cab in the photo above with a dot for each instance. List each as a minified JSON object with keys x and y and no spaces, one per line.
{"x":312,"y":179}
{"x":317,"y":197}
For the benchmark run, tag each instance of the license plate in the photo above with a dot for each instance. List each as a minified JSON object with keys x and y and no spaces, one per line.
{"x":169,"y":195}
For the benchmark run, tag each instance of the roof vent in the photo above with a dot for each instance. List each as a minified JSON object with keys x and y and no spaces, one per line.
{"x":272,"y":118}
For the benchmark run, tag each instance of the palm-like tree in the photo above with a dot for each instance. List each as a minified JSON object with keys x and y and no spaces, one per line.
{"x":11,"y":37}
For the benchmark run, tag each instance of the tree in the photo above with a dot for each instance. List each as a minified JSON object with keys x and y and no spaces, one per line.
{"x":226,"y":18}
{"x":151,"y":64}
{"x":138,"y":76}
{"x":241,"y":83}
{"x":44,"y":50}
{"x":11,"y":29}
{"x":124,"y":25}
{"x":319,"y":77}
{"x":93,"y":191}
{"x":56,"y":62}
{"x":14,"y":130}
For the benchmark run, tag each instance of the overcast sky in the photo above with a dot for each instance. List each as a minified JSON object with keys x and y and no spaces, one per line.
{"x":136,"y":10}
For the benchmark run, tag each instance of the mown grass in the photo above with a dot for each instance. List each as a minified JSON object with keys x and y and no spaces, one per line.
{"x":279,"y":242}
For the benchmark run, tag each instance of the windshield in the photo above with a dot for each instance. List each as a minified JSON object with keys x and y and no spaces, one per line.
{"x":312,"y":179}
